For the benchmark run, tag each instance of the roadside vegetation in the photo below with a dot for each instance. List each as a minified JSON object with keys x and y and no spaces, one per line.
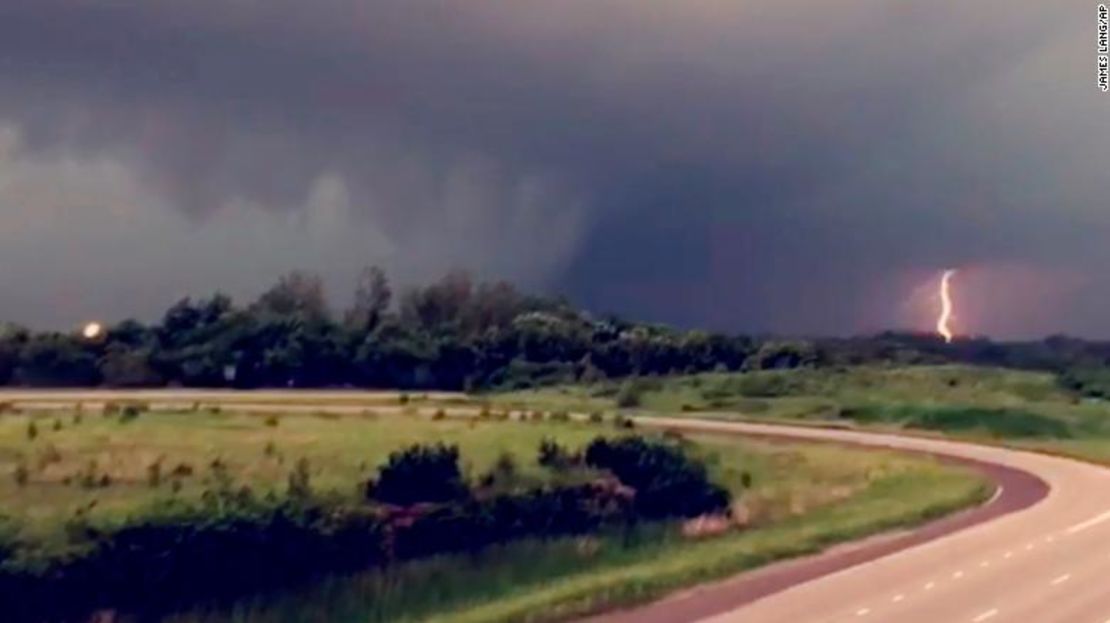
{"x":355,"y":515}
{"x":1037,"y":410}
{"x":794,"y":499}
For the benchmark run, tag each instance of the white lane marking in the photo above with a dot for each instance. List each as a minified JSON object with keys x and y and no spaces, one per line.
{"x":986,"y":615}
{"x":1090,"y":523}
{"x":897,"y":598}
{"x":1061,"y":579}
{"x":957,"y":575}
{"x":997,"y":494}
{"x":930,"y":586}
{"x":862,"y":612}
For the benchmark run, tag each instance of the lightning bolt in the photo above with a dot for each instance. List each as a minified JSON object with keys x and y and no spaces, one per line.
{"x":945,"y":306}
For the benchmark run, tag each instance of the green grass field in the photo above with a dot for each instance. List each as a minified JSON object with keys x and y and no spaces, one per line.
{"x":73,"y":462}
{"x":1019,"y":408}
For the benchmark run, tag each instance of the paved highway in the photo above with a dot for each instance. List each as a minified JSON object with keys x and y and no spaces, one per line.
{"x":1046,"y":563}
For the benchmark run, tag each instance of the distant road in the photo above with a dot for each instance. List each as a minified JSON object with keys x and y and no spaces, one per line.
{"x":1038,"y":553}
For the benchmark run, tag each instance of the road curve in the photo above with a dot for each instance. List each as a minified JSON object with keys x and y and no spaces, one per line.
{"x":1039,"y":553}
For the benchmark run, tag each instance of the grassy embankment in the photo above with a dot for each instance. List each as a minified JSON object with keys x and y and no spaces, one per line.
{"x":1018,"y":408}
{"x":802,"y":497}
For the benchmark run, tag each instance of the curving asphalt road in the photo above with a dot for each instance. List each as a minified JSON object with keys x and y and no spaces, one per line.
{"x":1038,"y":553}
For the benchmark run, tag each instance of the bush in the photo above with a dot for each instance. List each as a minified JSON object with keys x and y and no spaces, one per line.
{"x":49,"y":455}
{"x":624,"y":423}
{"x":502,"y":474}
{"x":555,"y":456}
{"x":630,"y":395}
{"x":272,"y":421}
{"x":668,"y":483}
{"x":420,"y":473}
{"x":21,"y":475}
{"x":130,"y":412}
{"x":154,"y":474}
{"x":300,"y":480}
{"x":539,"y":512}
{"x":179,"y":553}
{"x":88,"y":478}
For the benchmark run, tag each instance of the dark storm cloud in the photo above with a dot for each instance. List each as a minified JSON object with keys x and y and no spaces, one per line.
{"x":756,"y":165}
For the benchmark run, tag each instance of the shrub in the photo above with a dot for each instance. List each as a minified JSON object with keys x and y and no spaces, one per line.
{"x":57,"y":426}
{"x":596,"y":417}
{"x":154,"y":474}
{"x":129,"y":413}
{"x":272,"y":421}
{"x":503,"y":473}
{"x":88,"y":478}
{"x":49,"y":455}
{"x":21,"y":475}
{"x":32,"y":430}
{"x":439,"y":414}
{"x":555,"y":456}
{"x":630,"y":395}
{"x":624,"y":423}
{"x":419,"y":473}
{"x":182,"y":470}
{"x":182,"y":553}
{"x":300,"y":480}
{"x":668,"y":483}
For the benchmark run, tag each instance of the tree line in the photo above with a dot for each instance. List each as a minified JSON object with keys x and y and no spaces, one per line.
{"x":453,"y":334}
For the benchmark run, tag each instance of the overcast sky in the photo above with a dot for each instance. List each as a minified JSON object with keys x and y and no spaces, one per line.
{"x":755,"y":165}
